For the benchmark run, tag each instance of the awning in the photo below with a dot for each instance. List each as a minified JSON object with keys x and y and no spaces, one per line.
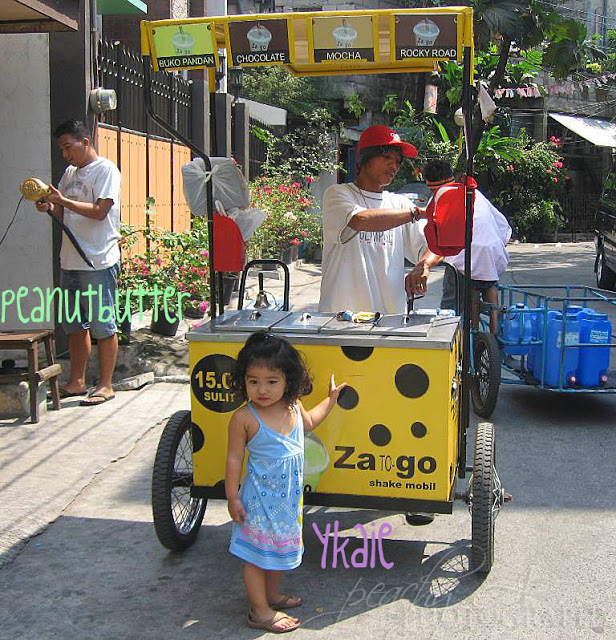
{"x":120,"y":7}
{"x":266,"y":114}
{"x":602,"y":133}
{"x":38,"y":16}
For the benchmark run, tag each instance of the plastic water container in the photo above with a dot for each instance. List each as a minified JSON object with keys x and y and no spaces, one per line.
{"x":519,"y":327}
{"x":553,"y":348}
{"x":535,"y":353}
{"x":594,"y":362}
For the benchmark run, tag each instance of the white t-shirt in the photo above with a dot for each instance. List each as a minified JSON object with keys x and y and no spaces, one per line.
{"x":98,"y":238}
{"x":364,"y":270}
{"x":491,"y":233}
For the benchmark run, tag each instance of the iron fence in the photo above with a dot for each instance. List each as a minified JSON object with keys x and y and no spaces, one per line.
{"x":122,"y":70}
{"x":580,"y":211}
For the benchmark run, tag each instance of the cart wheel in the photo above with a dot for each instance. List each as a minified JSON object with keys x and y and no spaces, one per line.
{"x":177,"y":516}
{"x":487,"y":374}
{"x":485,"y":498}
{"x":606,"y":278}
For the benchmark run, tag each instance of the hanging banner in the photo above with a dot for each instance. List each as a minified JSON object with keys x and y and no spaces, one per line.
{"x":255,"y":42}
{"x":426,"y":36}
{"x":184,"y":46}
{"x":343,"y":38}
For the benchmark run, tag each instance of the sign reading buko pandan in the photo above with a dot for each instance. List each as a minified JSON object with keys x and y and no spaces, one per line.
{"x":256,"y":42}
{"x":189,"y":45}
{"x":426,"y":36}
{"x":343,"y":38}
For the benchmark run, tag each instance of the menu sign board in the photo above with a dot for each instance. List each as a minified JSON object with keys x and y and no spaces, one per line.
{"x":429,"y":35}
{"x":184,"y":45}
{"x":255,"y":42}
{"x":343,"y":38}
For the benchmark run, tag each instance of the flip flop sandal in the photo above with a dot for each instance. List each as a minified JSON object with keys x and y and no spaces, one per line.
{"x":69,"y":394}
{"x":287,"y":602}
{"x":104,"y":398}
{"x":268,"y":624}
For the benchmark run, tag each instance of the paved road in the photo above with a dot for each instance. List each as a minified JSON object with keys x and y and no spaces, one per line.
{"x":97,"y":571}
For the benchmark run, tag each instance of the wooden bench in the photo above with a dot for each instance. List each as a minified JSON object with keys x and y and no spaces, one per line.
{"x":29,"y":340}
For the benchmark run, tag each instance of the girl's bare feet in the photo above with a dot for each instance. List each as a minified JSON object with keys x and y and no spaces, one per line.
{"x":281,"y":601}
{"x":277,"y":622}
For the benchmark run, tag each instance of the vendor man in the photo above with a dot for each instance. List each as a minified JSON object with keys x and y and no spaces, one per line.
{"x":88,"y":201}
{"x":367,"y":231}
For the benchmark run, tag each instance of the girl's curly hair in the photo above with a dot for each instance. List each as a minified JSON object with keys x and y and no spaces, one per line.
{"x":277,"y":354}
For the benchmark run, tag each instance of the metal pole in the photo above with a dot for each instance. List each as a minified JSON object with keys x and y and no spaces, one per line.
{"x":208,"y":167}
{"x":468,"y":234}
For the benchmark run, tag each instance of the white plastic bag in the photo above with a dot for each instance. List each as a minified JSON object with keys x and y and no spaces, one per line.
{"x":247,"y":220}
{"x":228,"y":185}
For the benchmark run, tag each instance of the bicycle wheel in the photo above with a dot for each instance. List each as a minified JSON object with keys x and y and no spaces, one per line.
{"x":486,"y":375}
{"x":177,"y":516}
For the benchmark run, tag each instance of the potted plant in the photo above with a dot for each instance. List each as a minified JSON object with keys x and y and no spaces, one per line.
{"x":287,"y":205}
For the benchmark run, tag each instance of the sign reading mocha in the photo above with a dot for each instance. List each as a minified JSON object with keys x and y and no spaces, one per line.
{"x":255,"y":42}
{"x":426,"y":36}
{"x":345,"y":38}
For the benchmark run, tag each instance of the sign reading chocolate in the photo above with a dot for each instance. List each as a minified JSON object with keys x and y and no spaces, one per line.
{"x":255,"y":42}
{"x":346,"y":38}
{"x":426,"y":36}
{"x":184,"y":46}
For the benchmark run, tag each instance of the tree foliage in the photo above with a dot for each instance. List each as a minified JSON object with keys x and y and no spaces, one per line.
{"x":276,"y":86}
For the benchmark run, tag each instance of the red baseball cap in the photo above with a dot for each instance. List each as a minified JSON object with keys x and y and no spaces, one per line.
{"x":379,"y":135}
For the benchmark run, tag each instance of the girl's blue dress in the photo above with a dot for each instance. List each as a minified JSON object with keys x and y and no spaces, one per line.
{"x":271,"y":536}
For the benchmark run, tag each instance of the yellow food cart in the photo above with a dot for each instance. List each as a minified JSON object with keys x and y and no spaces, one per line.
{"x":397,"y":439}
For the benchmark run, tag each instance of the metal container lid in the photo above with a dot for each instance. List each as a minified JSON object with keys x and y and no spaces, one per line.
{"x":250,"y":320}
{"x":402,"y":324}
{"x":335,"y":326}
{"x":302,"y":323}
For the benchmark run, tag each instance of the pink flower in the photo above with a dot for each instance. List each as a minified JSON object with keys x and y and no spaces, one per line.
{"x":549,"y":171}
{"x":510,"y":167}
{"x":296,"y":241}
{"x":158,"y":262}
{"x":303,"y":233}
{"x":309,"y":179}
{"x":205,"y":253}
{"x":555,"y":164}
{"x":203,"y":305}
{"x":555,"y":179}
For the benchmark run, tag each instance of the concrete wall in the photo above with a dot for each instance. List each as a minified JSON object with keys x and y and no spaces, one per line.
{"x":25,"y":254}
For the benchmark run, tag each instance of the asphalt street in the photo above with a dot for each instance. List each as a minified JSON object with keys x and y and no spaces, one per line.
{"x":79,"y":557}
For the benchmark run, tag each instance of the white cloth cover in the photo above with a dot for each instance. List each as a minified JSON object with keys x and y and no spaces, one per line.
{"x":491,"y":233}
{"x":228,"y":185}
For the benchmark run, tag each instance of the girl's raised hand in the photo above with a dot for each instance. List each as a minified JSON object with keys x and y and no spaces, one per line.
{"x":334,"y":391}
{"x":236,"y":511}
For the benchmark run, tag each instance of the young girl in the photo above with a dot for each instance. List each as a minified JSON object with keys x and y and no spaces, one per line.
{"x":267,"y":511}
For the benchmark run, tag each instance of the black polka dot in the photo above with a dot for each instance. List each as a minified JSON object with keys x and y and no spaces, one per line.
{"x":380,"y":435}
{"x":418,"y":429}
{"x":197,"y":437}
{"x":348,"y":398}
{"x":412,"y":381}
{"x":357,"y":353}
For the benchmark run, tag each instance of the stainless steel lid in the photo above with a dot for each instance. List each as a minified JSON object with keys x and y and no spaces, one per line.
{"x":302,"y":323}
{"x":250,"y":320}
{"x":336,"y":326}
{"x":402,"y":324}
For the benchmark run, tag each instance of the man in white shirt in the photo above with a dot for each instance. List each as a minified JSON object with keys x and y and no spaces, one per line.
{"x":489,"y":257}
{"x":88,"y":202}
{"x":367,"y":231}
